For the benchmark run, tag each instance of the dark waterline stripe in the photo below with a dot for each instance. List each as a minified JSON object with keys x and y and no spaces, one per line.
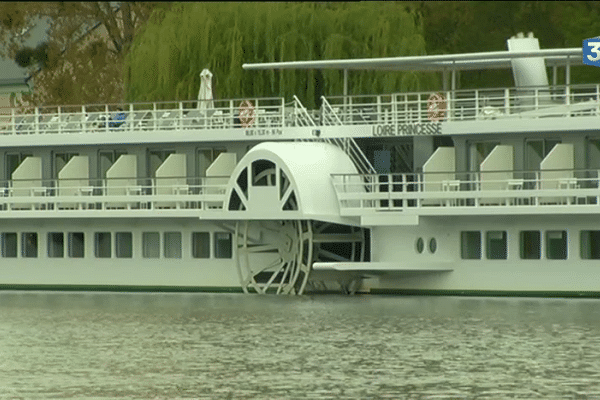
{"x":487,"y":293}
{"x":225,"y":289}
{"x":121,"y":288}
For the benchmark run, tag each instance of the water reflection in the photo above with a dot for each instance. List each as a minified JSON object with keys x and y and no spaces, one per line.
{"x":101,"y":345}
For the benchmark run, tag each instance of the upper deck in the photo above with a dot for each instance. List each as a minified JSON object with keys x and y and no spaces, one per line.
{"x":502,"y":110}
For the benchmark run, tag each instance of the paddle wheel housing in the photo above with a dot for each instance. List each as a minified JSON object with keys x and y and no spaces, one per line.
{"x":290,"y":215}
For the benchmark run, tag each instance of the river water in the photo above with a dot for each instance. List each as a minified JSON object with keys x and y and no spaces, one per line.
{"x":234,"y":346}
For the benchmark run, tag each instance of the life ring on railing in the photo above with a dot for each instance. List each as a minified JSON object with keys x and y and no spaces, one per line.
{"x":247,"y":114}
{"x":436,"y":107}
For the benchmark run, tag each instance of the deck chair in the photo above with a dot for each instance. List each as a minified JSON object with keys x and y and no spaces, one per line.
{"x":168,"y":120}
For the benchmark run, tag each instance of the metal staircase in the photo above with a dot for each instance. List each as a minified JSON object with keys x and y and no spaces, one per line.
{"x":329,"y":117}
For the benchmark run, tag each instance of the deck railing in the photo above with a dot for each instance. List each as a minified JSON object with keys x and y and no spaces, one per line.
{"x":360,"y":194}
{"x":206,"y":193}
{"x":392,"y":109}
{"x":220,"y":114}
{"x":464,"y":105}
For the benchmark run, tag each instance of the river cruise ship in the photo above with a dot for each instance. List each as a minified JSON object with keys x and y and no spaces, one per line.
{"x":480,"y":191}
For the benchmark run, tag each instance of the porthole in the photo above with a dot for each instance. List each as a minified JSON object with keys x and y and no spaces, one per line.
{"x":419,"y":245}
{"x":432,"y":245}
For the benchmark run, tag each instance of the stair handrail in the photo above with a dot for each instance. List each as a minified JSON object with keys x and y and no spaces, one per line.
{"x":303,"y":112}
{"x":327,"y":112}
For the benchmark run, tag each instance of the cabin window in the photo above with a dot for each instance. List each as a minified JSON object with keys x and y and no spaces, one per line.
{"x":102,"y":244}
{"x":535,"y":151}
{"x":223,"y":245}
{"x":556,"y":245}
{"x":478,"y":151}
{"x":205,"y":157}
{"x":56,"y":244}
{"x":531,"y":245}
{"x":496,"y":245}
{"x":470,"y":245}
{"x":432,"y":245}
{"x":151,"y":245}
{"x":124,"y":245}
{"x":106,"y":158}
{"x":590,"y":245}
{"x":9,"y":244}
{"x":12,"y":162}
{"x":419,"y":245}
{"x":60,"y":160}
{"x":200,"y":245}
{"x":154,"y":159}
{"x":172,"y":241}
{"x":29,"y":244}
{"x":76,"y":245}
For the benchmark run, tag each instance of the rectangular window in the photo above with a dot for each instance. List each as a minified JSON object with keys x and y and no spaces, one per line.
{"x":9,"y":244}
{"x":470,"y":245}
{"x":590,"y":245}
{"x":102,"y":244}
{"x":150,"y":245}
{"x":496,"y":245}
{"x":56,"y":244}
{"x":172,"y":242}
{"x":124,"y":245}
{"x":76,"y":245}
{"x":200,"y":244}
{"x":531,"y":245}
{"x":29,"y":244}
{"x":556,"y":245}
{"x":223,"y":243}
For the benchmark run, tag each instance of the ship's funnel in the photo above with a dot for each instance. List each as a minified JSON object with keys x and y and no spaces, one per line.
{"x":528,"y":72}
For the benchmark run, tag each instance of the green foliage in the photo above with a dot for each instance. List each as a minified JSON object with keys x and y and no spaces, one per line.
{"x":475,"y":26}
{"x":81,"y":59}
{"x":166,"y":58}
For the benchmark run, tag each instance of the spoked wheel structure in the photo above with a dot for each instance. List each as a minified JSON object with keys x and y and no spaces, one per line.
{"x":274,"y":256}
{"x":277,"y":256}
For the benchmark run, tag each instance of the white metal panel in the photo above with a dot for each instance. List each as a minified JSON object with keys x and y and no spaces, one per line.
{"x":121,"y":178}
{"x":73,"y":179}
{"x":170,"y":178}
{"x":500,"y":159}
{"x":557,"y":171}
{"x":27,"y":180}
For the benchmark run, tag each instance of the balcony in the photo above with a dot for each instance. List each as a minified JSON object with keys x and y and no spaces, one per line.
{"x":500,"y":192}
{"x":462,"y":105}
{"x":125,"y":194}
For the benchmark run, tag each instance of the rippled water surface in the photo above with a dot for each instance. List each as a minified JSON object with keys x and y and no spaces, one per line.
{"x":108,"y":345}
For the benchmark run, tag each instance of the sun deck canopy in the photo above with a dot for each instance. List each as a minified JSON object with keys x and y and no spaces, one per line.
{"x":444,"y":62}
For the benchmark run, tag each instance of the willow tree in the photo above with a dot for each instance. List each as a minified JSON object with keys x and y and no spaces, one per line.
{"x":167,"y":56}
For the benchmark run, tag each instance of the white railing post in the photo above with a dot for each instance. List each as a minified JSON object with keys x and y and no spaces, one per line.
{"x":154,"y":116}
{"x":83,"y":119}
{"x":180,"y":122}
{"x":36,"y":123}
{"x":106,"y":114}
{"x":13,"y":121}
{"x":598,"y":98}
{"x":282,"y":112}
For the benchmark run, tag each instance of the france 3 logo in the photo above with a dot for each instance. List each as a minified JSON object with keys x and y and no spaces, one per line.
{"x":591,"y":51}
